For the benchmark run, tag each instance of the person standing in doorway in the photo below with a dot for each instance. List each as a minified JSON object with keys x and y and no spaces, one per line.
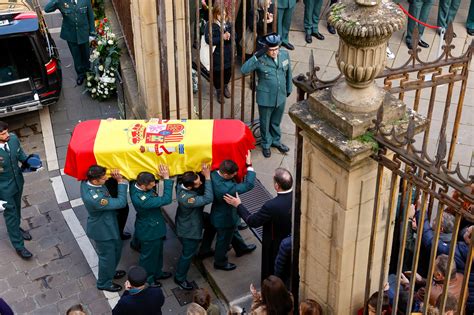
{"x":285,"y":13}
{"x":273,"y":69}
{"x":11,"y":188}
{"x":312,"y":10}
{"x":77,"y":29}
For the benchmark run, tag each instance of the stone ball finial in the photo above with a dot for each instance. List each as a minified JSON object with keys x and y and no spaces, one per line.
{"x":367,"y":3}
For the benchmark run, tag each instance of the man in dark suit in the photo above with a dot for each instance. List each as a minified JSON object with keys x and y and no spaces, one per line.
{"x":139,"y":298}
{"x":274,"y":216}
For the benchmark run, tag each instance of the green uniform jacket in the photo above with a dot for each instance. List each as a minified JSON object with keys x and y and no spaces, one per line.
{"x":189,"y":217}
{"x":224,"y":215}
{"x":274,"y":81}
{"x":285,"y":4}
{"x":150,"y":223}
{"x":102,"y":222}
{"x":11,"y":177}
{"x":78,"y":19}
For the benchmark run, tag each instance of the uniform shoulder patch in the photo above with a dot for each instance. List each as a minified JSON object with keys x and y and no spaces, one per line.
{"x":104,"y":202}
{"x":191,"y":200}
{"x":142,"y":197}
{"x":93,"y":194}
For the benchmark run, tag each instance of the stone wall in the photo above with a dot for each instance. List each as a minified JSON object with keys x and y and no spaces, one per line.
{"x":337,"y":210}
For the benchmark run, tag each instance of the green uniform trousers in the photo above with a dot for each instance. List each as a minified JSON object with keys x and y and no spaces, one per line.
{"x":109,"y":253}
{"x":226,"y":236}
{"x":80,"y":54}
{"x":312,"y":10}
{"x":12,"y":215}
{"x":151,"y":258}
{"x":190,"y":247}
{"x":284,"y":23}
{"x":421,"y":10}
{"x":270,"y":120}
{"x":447,"y":11}
{"x":470,"y":17}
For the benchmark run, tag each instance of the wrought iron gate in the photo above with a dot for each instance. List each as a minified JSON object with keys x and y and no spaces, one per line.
{"x":420,"y":167}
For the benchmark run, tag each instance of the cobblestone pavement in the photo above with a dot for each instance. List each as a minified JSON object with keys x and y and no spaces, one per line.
{"x":60,"y":275}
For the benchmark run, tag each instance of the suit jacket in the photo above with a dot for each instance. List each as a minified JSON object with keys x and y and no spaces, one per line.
{"x":150,"y":223}
{"x":11,"y":177}
{"x":102,"y":222}
{"x":286,"y":4}
{"x":146,"y":302}
{"x":274,"y":81}
{"x":189,"y":216}
{"x":78,"y":19}
{"x":275,"y":217}
{"x":224,"y":215}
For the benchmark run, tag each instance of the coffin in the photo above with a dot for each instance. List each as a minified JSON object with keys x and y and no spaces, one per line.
{"x":134,"y":146}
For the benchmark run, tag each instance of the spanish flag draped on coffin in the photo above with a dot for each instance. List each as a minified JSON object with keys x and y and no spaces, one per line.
{"x":134,"y":146}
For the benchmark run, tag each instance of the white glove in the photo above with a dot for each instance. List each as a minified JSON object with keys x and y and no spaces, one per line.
{"x":2,"y":203}
{"x":91,"y":39}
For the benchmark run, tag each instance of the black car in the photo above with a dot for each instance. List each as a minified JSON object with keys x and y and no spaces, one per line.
{"x":30,"y":69}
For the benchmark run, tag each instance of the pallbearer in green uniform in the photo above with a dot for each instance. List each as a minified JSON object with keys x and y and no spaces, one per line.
{"x":420,"y":9}
{"x":285,"y":13}
{"x":77,"y":27}
{"x":447,"y":10}
{"x":224,"y":217}
{"x":11,"y":188}
{"x":102,"y":225}
{"x":273,"y":68}
{"x":189,"y":219}
{"x":150,"y":227}
{"x":312,"y":10}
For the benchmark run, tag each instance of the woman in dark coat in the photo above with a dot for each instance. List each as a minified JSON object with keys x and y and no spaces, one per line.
{"x":220,"y":20}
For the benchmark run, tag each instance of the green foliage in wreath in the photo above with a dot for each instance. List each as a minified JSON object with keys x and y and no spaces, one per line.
{"x":99,"y":9}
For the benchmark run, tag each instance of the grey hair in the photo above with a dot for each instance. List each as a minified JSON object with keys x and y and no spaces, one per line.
{"x":442,"y":262}
{"x":448,"y":222}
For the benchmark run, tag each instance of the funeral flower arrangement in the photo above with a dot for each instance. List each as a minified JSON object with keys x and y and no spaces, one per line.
{"x":105,"y":58}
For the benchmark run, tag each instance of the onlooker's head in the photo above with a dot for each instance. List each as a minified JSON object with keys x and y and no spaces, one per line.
{"x":202,"y":297}
{"x":235,"y":310}
{"x":97,"y":175}
{"x":137,"y":276}
{"x":275,"y":296}
{"x":191,"y":180}
{"x":219,"y":12}
{"x":282,"y":179}
{"x":441,"y":268}
{"x":447,"y":223}
{"x":146,"y":181}
{"x":228,"y":169}
{"x":77,"y":309}
{"x":310,"y":307}
{"x":467,"y":234}
{"x":4,"y":136}
{"x":195,"y":309}
{"x":431,"y":310}
{"x":451,"y":306}
{"x":262,"y":4}
{"x":372,"y":304}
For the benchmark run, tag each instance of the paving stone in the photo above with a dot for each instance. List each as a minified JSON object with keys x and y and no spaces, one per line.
{"x":13,"y":295}
{"x":33,"y":288}
{"x":40,"y":231}
{"x":88,"y":281}
{"x":59,"y":265}
{"x":58,"y":279}
{"x":7,"y":269}
{"x":38,"y":221}
{"x":40,"y":197}
{"x":70,"y":288}
{"x":80,"y":269}
{"x":29,"y":212}
{"x":91,"y":295}
{"x":17,"y":280}
{"x":3,"y":286}
{"x":81,"y":212}
{"x":22,"y":265}
{"x":68,"y":248}
{"x":62,"y":140}
{"x":73,"y":187}
{"x":47,"y":255}
{"x":99,"y":306}
{"x":26,"y":305}
{"x":48,"y":242}
{"x":48,"y":205}
{"x":55,"y":216}
{"x":47,"y":310}
{"x":48,"y":297}
{"x":37,"y":272}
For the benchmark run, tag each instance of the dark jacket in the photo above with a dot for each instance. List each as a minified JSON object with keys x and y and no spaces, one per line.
{"x":460,"y":257}
{"x":275,"y":217}
{"x":146,"y":302}
{"x":283,"y":260}
{"x":216,"y":41}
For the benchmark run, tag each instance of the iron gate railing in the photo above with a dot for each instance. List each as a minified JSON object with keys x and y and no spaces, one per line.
{"x":424,"y":170}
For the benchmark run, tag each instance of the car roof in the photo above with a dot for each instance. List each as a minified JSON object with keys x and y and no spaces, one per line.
{"x":9,"y":10}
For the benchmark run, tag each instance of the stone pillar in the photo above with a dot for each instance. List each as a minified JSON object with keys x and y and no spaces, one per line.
{"x":147,"y":55}
{"x":338,"y":185}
